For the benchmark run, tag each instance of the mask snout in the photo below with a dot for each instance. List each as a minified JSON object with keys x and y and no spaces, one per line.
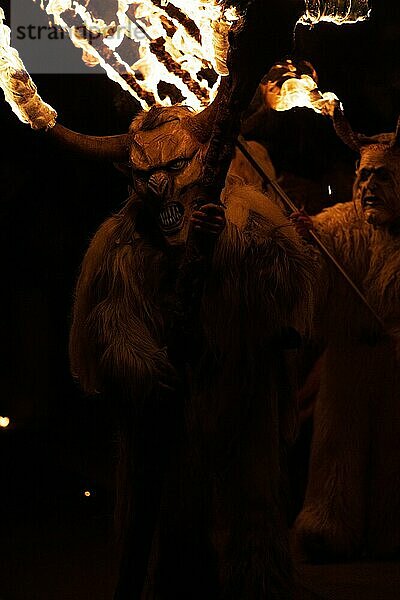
{"x":158,"y":185}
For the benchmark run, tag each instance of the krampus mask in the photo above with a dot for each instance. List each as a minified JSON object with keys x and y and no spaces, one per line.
{"x":163,"y":153}
{"x":377,"y":184}
{"x":166,"y":160}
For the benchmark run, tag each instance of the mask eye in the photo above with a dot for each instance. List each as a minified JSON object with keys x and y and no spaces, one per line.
{"x":364,"y":174}
{"x":178,"y":164}
{"x":139,"y":174}
{"x":383,"y":174}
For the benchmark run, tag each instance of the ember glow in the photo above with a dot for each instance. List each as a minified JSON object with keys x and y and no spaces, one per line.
{"x":335,"y":11}
{"x":285,"y":87}
{"x":182,"y":46}
{"x":19,"y":90}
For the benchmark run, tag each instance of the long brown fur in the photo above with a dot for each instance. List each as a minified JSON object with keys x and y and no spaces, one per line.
{"x":221,"y":485}
{"x":352,"y":503}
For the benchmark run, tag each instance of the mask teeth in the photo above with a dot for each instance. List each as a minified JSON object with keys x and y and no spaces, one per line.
{"x":170,"y":215}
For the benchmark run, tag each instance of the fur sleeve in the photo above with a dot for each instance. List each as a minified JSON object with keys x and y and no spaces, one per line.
{"x":383,"y":282}
{"x":243,"y":172}
{"x":370,"y":258}
{"x":346,"y":234}
{"x":263,"y":276}
{"x":115,"y":320}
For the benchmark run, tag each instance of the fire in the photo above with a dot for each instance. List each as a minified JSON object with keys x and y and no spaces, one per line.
{"x":338,"y":12}
{"x":19,"y":90}
{"x":182,"y":46}
{"x":285,"y":88}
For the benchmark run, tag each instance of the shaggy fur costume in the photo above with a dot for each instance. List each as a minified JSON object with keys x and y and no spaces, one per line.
{"x":352,"y":503}
{"x":205,"y":416}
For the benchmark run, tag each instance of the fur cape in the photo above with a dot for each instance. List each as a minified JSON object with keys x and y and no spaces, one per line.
{"x":202,"y":490}
{"x":352,"y":503}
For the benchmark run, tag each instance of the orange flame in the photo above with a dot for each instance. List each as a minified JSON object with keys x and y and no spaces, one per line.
{"x":338,"y":12}
{"x":285,"y":88}
{"x":182,"y":46}
{"x":19,"y":90}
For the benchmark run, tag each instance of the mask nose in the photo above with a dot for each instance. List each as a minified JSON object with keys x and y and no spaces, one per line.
{"x":158,"y":185}
{"x":373,"y":185}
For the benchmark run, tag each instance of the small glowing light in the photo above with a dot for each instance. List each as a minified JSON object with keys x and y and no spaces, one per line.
{"x":87,"y":494}
{"x":4,"y":422}
{"x":329,"y":190}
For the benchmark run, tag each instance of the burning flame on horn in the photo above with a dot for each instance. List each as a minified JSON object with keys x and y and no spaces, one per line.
{"x":182,"y":46}
{"x":338,"y":12}
{"x":285,"y":87}
{"x":19,"y":90}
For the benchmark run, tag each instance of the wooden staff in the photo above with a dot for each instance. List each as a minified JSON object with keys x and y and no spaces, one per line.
{"x":242,"y":145}
{"x":266,"y":29}
{"x":247,"y":63}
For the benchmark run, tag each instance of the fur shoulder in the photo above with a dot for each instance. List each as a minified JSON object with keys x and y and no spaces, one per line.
{"x":262,"y":269}
{"x":249,"y":208}
{"x":346,"y":233}
{"x":339,"y":215}
{"x":336,"y":220}
{"x":103,"y":242}
{"x":242,"y":171}
{"x":116,"y":318}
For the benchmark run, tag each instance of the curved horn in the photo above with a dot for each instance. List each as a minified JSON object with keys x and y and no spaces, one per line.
{"x":114,"y":148}
{"x":396,"y":141}
{"x":344,"y":131}
{"x":202,"y":124}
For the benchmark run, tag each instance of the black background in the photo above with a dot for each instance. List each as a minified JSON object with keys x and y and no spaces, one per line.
{"x":61,"y":443}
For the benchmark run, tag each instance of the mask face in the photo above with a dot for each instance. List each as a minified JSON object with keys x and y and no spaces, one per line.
{"x":377,"y":185}
{"x":166,"y":164}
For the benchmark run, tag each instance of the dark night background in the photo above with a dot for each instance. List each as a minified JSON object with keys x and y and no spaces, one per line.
{"x":56,"y":543}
